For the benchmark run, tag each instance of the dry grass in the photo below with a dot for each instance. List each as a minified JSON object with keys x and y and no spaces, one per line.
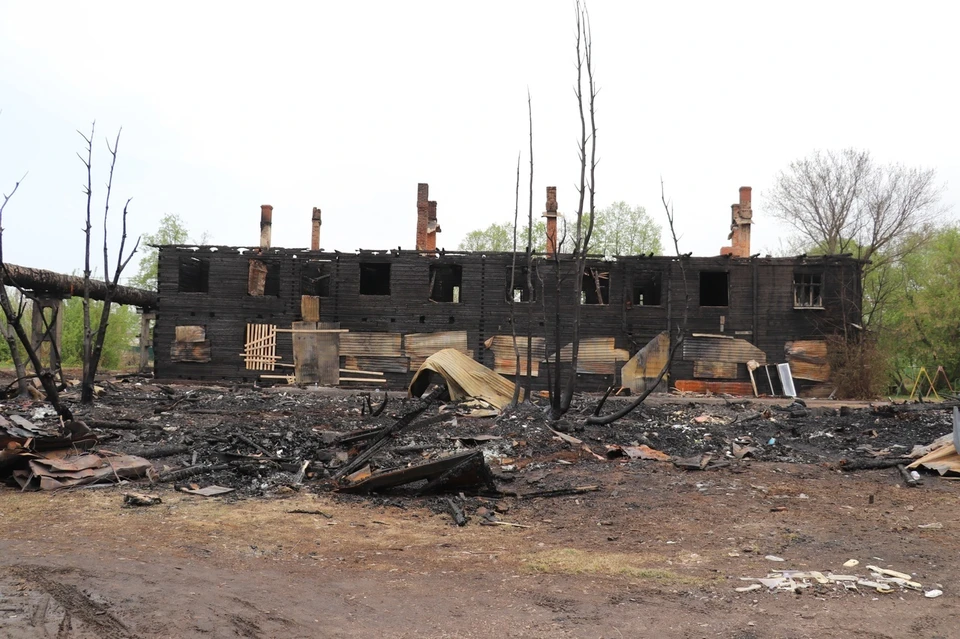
{"x":570,"y":561}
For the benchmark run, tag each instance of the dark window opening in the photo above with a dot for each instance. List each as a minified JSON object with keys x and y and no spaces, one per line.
{"x":315,"y":279}
{"x":714,"y":288}
{"x":647,"y":288}
{"x":194,"y":275}
{"x":445,"y":282}
{"x":517,"y":289}
{"x":374,"y":279}
{"x":807,"y":290}
{"x":596,"y":286}
{"x":264,"y":278}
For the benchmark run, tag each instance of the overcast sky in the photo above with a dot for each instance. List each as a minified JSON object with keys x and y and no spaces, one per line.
{"x":348,"y":105}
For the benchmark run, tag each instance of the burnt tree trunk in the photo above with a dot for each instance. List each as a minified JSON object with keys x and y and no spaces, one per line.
{"x":58,"y":284}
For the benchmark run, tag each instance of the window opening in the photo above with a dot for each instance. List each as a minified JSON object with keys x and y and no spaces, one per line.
{"x":194,"y":275}
{"x":374,"y":279}
{"x":315,"y":279}
{"x":264,"y":278}
{"x":445,"y":282}
{"x":596,"y":286}
{"x":808,"y":290}
{"x":519,"y":292}
{"x":714,"y":288}
{"x":647,"y":288}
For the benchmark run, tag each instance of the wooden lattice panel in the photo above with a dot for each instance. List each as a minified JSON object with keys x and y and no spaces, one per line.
{"x":260,"y":350}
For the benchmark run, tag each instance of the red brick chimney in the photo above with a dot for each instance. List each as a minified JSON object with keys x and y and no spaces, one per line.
{"x":266,"y":224}
{"x":741,"y":217}
{"x":432,"y":226}
{"x":423,"y":195}
{"x":551,"y":215}
{"x":315,"y":230}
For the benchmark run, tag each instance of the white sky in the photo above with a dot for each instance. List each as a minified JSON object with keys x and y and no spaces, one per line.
{"x":348,"y":105}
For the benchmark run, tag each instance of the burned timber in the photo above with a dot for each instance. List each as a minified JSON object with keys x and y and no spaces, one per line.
{"x":315,"y":316}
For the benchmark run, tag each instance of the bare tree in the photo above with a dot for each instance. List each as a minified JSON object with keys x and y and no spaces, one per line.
{"x":586,"y":93}
{"x":513,"y":278}
{"x":93,"y":344}
{"x":529,"y":379}
{"x":845,"y":202}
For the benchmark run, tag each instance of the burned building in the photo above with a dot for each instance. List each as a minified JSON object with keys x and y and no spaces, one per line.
{"x":315,"y":316}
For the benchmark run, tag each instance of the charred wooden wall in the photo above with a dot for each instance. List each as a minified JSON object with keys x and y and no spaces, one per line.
{"x":643,"y":296}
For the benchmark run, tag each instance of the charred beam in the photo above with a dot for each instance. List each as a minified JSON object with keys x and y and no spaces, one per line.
{"x":48,"y":282}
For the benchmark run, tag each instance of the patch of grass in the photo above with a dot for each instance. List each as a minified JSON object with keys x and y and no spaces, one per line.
{"x":570,"y":561}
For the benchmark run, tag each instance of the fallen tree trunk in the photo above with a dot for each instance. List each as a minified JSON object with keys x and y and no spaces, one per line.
{"x":58,"y":284}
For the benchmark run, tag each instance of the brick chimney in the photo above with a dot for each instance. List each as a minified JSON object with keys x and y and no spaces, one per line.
{"x":551,"y":215}
{"x":741,"y":217}
{"x":423,"y":214}
{"x":315,"y":231}
{"x":266,"y":224}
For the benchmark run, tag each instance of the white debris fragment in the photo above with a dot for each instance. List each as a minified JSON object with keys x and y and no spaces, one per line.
{"x":932,"y":594}
{"x":774,"y":558}
{"x":851,"y":563}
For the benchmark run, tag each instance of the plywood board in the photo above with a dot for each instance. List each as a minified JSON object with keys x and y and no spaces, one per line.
{"x":310,"y":308}
{"x":808,"y":359}
{"x":257,"y":277}
{"x":642,"y":369}
{"x":190,"y":351}
{"x":316,"y":356}
{"x":191,"y":333}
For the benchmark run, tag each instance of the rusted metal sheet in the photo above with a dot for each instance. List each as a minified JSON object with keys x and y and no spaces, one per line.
{"x":717,"y":388}
{"x":190,"y":351}
{"x":808,"y":359}
{"x":419,"y":346}
{"x":87,"y":468}
{"x":191,"y":333}
{"x":257,"y":277}
{"x":465,"y":378}
{"x":505,"y":359}
{"x":371,"y":344}
{"x":721,"y":349}
{"x":378,"y":364}
{"x":597,"y":355}
{"x":715,"y":370}
{"x":642,"y":369}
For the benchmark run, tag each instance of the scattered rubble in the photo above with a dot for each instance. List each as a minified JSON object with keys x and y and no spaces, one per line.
{"x":881,"y":580}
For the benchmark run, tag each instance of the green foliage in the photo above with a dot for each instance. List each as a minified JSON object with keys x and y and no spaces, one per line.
{"x":122,"y":330}
{"x":172,"y":231}
{"x":922,"y":319}
{"x":624,"y":230}
{"x":499,"y":237}
{"x":619,"y":230}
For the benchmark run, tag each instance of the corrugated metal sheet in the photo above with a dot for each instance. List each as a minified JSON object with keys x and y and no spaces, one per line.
{"x":644,"y":367}
{"x":715,"y":370}
{"x":597,"y":355}
{"x":713,"y":349}
{"x":419,"y":346}
{"x":371,"y":344}
{"x":505,"y":359}
{"x":465,"y":378}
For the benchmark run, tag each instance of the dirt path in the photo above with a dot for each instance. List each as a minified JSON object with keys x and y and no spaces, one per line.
{"x":657,"y":552}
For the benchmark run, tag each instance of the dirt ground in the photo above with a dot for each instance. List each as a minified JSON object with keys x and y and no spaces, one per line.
{"x":657,"y":551}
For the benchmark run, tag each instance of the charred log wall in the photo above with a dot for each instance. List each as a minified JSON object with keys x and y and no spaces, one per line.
{"x":406,"y":292}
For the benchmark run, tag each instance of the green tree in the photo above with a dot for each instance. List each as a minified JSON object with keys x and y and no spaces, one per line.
{"x":121,"y":334}
{"x":923,"y":316}
{"x":624,"y":230}
{"x":172,"y":230}
{"x":499,"y":238}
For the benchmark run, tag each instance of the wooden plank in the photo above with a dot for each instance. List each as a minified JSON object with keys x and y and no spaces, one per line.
{"x":383,"y":364}
{"x":260,"y":348}
{"x":715,"y":370}
{"x":190,"y":351}
{"x":310,"y":308}
{"x":306,"y":355}
{"x":363,"y":379}
{"x":356,"y":372}
{"x":314,"y":330}
{"x":257,"y":277}
{"x":191,"y":333}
